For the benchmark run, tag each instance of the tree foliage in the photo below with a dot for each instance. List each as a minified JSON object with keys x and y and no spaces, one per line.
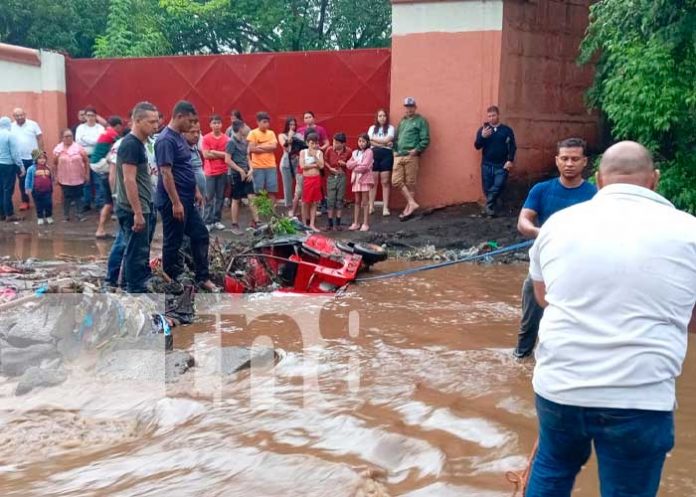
{"x":128,"y":28}
{"x":645,"y":82}
{"x":70,"y":27}
{"x":125,"y":38}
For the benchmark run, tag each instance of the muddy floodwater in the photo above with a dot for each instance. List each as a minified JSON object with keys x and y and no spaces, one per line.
{"x":410,"y":376}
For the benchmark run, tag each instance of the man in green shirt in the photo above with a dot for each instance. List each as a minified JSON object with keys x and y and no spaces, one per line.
{"x":412,"y":138}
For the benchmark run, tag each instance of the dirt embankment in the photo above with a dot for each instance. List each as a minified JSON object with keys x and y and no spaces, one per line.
{"x":448,"y":229}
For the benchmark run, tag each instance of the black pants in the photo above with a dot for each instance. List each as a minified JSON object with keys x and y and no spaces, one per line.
{"x":8,"y":178}
{"x":174,"y":231}
{"x":494,"y":177}
{"x":72,"y":193}
{"x":44,"y":204}
{"x":136,"y":256}
{"x":529,"y":324}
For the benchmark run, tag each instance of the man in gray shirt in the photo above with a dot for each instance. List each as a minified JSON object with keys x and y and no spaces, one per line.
{"x":237,"y":158}
{"x":134,"y":197}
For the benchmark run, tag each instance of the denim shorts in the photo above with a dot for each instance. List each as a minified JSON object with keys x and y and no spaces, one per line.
{"x":266,"y":179}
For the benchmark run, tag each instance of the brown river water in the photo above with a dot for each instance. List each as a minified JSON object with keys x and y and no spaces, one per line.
{"x":411,"y":377}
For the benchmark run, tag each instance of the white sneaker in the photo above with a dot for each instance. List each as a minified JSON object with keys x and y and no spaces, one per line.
{"x":40,"y":221}
{"x":219,"y":226}
{"x":49,"y":220}
{"x":210,"y":227}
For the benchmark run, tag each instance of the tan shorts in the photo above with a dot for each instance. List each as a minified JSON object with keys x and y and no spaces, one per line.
{"x":405,"y":171}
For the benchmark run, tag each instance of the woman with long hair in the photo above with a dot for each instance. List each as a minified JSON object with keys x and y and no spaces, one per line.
{"x":288,"y":167}
{"x":381,"y":135}
{"x":362,"y":180}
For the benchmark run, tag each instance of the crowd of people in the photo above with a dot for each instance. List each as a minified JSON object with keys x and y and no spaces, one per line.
{"x":609,"y":297}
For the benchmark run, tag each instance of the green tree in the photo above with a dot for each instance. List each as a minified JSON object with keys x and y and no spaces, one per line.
{"x":645,"y":53}
{"x":125,"y":37}
{"x":69,"y":27}
{"x":241,"y":26}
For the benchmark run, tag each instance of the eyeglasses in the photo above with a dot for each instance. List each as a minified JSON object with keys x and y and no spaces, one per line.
{"x":67,"y":136}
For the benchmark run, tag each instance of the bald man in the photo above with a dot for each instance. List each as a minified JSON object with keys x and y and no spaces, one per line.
{"x":29,"y":136}
{"x":617,"y":278}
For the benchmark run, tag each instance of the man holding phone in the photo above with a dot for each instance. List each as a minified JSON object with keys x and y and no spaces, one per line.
{"x":498,"y":143}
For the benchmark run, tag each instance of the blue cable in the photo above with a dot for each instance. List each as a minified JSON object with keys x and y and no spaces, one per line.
{"x":510,"y":248}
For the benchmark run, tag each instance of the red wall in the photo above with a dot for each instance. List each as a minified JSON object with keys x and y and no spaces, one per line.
{"x":344,"y":88}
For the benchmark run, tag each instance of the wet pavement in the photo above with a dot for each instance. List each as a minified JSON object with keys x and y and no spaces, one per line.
{"x":411,"y":377}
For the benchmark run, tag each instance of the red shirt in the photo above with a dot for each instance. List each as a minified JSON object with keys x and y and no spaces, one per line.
{"x":331,"y":157}
{"x":215,"y":167}
{"x":110,"y":135}
{"x":319,"y":130}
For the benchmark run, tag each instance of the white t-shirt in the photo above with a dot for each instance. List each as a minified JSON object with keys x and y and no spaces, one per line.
{"x":380,"y":133}
{"x":620,"y":276}
{"x":27,"y":135}
{"x":87,"y":136}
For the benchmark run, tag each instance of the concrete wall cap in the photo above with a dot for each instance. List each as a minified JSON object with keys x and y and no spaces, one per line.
{"x":20,"y":55}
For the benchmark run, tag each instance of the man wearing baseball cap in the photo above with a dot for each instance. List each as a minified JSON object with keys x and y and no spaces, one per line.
{"x":412,"y":138}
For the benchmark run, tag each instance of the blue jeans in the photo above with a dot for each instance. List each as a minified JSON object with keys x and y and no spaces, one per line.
{"x":631,"y":446}
{"x":136,"y":255}
{"x":266,"y":179}
{"x":214,"y":198}
{"x":93,"y":190}
{"x":494,"y":177}
{"x":8,"y":178}
{"x":113,"y":265}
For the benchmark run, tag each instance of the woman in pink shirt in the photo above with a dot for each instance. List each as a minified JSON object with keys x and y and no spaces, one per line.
{"x":72,"y":172}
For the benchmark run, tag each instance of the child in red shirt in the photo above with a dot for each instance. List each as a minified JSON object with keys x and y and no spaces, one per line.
{"x":215,"y":168}
{"x":335,"y":161}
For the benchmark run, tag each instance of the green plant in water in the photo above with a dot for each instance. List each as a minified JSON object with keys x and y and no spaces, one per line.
{"x":279,"y":225}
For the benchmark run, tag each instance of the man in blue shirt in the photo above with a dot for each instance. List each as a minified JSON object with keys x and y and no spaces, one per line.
{"x":498,"y":143}
{"x":545,"y":199}
{"x":178,"y":197}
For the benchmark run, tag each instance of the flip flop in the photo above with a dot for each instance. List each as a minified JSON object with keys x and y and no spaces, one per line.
{"x":408,"y":217}
{"x":107,"y":236}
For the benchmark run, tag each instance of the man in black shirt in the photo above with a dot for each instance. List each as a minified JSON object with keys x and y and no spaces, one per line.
{"x":498,"y":143}
{"x":134,"y":197}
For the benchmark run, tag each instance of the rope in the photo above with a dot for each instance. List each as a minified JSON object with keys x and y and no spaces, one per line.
{"x":521,"y":479}
{"x":504,"y":250}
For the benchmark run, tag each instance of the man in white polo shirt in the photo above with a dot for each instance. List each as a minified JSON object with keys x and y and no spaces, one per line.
{"x":617,"y":278}
{"x":29,"y":136}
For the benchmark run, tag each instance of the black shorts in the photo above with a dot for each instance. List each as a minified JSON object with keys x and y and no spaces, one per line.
{"x":241,"y":189}
{"x":384,"y":159}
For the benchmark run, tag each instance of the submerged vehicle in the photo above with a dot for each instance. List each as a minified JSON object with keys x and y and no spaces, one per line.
{"x":306,"y":263}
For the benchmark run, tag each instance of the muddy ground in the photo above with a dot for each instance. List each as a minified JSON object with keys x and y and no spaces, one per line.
{"x":448,"y":228}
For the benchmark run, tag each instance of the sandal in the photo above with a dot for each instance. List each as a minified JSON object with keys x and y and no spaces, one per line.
{"x":354,"y":227}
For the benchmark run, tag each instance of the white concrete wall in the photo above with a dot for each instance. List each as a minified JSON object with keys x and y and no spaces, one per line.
{"x":447,"y":17}
{"x":21,"y":77}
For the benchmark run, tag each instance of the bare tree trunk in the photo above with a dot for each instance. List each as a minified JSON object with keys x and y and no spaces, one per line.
{"x":322,"y":20}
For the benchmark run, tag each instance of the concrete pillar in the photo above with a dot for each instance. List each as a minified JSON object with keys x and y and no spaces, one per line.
{"x":447,"y":55}
{"x":34,"y":80}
